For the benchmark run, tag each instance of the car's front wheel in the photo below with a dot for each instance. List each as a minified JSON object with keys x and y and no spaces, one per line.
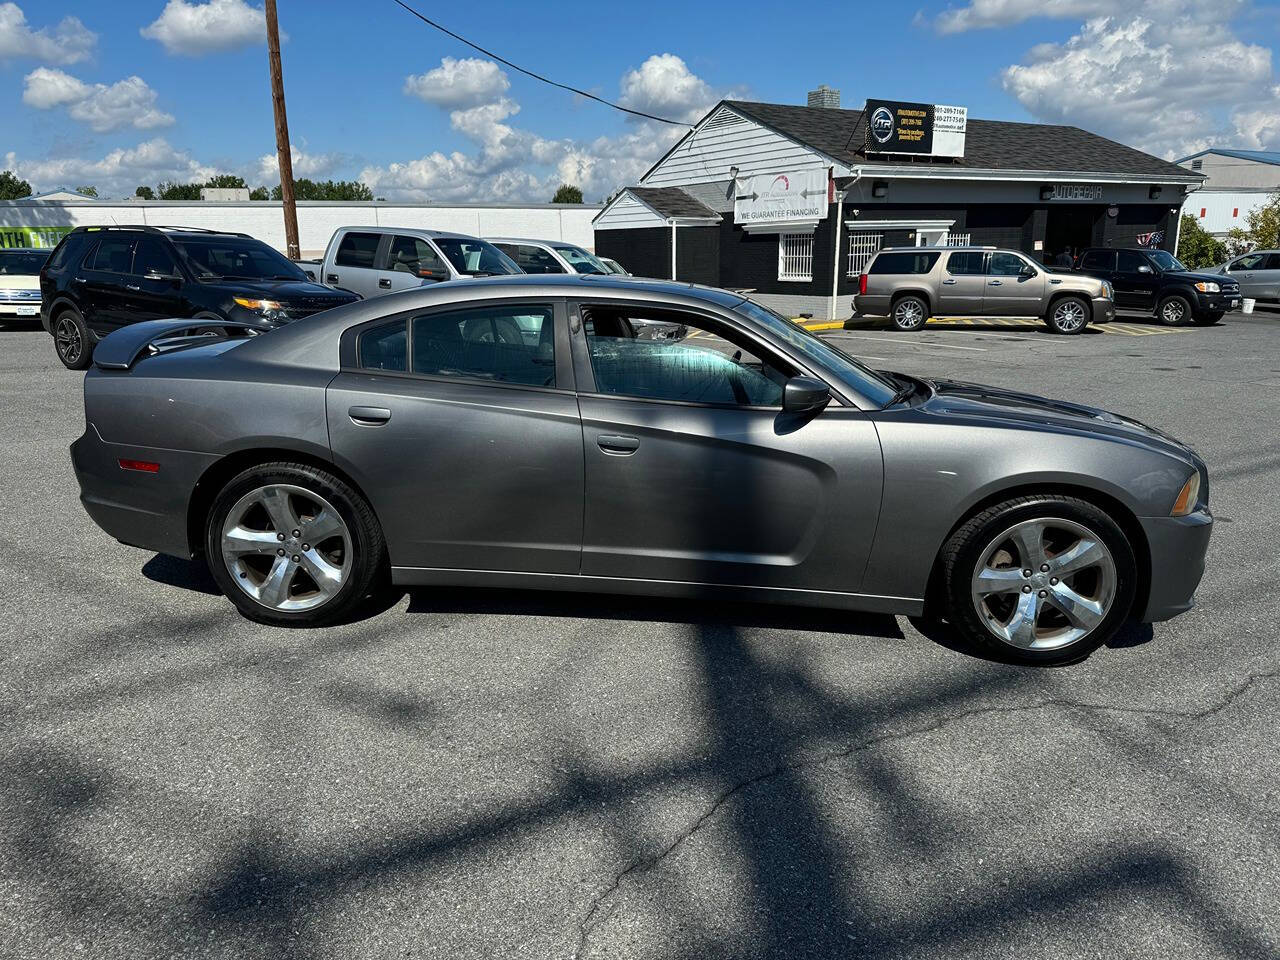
{"x":1070,"y":315}
{"x":1041,"y":579}
{"x":909,"y":313}
{"x":1173,"y":311}
{"x":71,"y":340}
{"x":293,"y":545}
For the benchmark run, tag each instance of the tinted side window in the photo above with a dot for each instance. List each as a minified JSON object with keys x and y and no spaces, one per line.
{"x":384,"y":348}
{"x":72,"y":246}
{"x":1252,"y":261}
{"x":673,"y":356}
{"x":114,"y":254}
{"x":1273,"y":262}
{"x":152,"y":257}
{"x":414,"y":255}
{"x":1005,"y":265}
{"x":965,"y":264}
{"x":357,"y":250}
{"x":1128,"y":262}
{"x":505,"y":344}
{"x":531,"y":259}
{"x":1098,"y":260}
{"x":904,"y":263}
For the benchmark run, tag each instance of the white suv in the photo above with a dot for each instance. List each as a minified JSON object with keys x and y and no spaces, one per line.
{"x":549,"y":256}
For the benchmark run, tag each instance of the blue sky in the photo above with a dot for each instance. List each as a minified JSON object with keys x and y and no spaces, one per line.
{"x":133,"y":92}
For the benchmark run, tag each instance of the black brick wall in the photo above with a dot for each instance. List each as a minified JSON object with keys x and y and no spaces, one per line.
{"x":645,"y":252}
{"x":698,"y":255}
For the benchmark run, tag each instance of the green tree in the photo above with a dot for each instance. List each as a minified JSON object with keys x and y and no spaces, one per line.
{"x":168,"y":190}
{"x":88,"y":191}
{"x":1197,"y":247}
{"x":304,"y":189}
{"x":145,"y":193}
{"x":259,"y":193}
{"x":567,"y":193}
{"x":1262,"y":228}
{"x":11,"y":188}
{"x":226,"y":181}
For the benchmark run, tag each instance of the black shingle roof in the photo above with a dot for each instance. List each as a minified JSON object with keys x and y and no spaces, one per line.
{"x":989,"y":144}
{"x":673,"y":202}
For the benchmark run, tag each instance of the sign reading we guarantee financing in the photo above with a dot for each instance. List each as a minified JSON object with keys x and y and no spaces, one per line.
{"x":798,"y":197}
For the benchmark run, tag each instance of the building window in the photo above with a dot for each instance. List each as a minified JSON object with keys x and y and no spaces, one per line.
{"x":862,"y":247}
{"x":795,"y":256}
{"x":958,"y":239}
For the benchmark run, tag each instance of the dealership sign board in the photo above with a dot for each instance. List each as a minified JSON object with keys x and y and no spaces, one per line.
{"x":924,"y":129}
{"x":32,"y":236}
{"x":798,"y":197}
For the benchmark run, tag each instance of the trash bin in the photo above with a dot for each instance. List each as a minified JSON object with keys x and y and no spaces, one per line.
{"x":1246,"y":305}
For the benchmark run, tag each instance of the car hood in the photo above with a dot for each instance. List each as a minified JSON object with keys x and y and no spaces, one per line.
{"x":286,"y":291}
{"x":1000,"y":407}
{"x":1193,"y":276}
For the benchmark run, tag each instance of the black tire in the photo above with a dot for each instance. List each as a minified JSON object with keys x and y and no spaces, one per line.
{"x":1068,"y":316}
{"x":1174,"y":311}
{"x":368,"y":547}
{"x":71,"y":339}
{"x":963,"y":552}
{"x":909,"y":313}
{"x":1207,"y":319}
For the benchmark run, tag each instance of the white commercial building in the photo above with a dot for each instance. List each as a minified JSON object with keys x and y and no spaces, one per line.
{"x":1237,"y":182}
{"x":42,"y":223}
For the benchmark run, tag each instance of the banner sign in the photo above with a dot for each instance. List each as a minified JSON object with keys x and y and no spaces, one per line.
{"x":782,"y":198}
{"x":924,"y":129}
{"x":42,"y":237}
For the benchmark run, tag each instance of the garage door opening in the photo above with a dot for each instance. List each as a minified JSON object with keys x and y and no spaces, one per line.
{"x":1070,"y":228}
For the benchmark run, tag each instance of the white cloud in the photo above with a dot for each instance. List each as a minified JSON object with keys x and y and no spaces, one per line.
{"x":127,"y":103}
{"x":459,"y":83}
{"x":195,"y":29}
{"x":69,"y":42}
{"x":986,"y":14}
{"x":1168,"y":85}
{"x":314,"y":166}
{"x":664,"y":87}
{"x":117,"y":173}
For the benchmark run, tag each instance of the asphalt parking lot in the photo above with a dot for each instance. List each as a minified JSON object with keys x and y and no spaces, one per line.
{"x":481,"y":774}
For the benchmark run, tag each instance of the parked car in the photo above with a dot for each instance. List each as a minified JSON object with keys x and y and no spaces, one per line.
{"x":99,"y":279}
{"x":1155,"y":282}
{"x":615,"y":267}
{"x":20,"y":281}
{"x":374,"y":261}
{"x":516,"y":432}
{"x":1258,"y":274}
{"x":911,"y":284}
{"x":545,"y":256}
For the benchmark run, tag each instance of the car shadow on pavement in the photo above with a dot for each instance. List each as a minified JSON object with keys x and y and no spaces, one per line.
{"x":944,"y":635}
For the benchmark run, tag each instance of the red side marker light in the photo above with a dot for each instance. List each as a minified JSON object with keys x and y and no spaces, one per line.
{"x":142,"y":466}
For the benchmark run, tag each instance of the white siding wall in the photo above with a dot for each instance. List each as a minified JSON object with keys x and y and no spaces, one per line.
{"x":1228,"y":173}
{"x":628,"y":213}
{"x":1223,"y":210}
{"x":316,"y":221}
{"x":727,"y":139}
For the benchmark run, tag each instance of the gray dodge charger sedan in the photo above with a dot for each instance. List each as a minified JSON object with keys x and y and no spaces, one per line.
{"x":522,"y":432}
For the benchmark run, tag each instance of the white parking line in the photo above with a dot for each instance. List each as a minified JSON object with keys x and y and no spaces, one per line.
{"x":923,"y":343}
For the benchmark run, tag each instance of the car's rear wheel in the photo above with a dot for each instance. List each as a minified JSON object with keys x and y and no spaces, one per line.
{"x":1067,"y":316}
{"x":1039,"y":579}
{"x":293,"y":545}
{"x":1173,"y":311}
{"x":909,"y":313}
{"x":71,"y":340}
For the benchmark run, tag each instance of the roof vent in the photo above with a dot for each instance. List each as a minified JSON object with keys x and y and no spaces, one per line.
{"x":824,"y":96}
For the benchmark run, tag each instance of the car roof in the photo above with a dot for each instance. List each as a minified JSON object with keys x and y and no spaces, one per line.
{"x":410,"y":231}
{"x":540,"y":243}
{"x":170,"y":231}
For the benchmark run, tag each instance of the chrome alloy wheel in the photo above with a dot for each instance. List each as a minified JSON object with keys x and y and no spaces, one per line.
{"x":1173,"y":312}
{"x":1044,"y":584}
{"x":1068,"y":316}
{"x":908,"y":313}
{"x":286,"y":547}
{"x":68,"y":340}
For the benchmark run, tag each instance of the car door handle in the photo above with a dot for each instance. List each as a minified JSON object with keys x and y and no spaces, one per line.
{"x":331,"y":278}
{"x":996,"y":283}
{"x":948,"y":282}
{"x":132,"y":286}
{"x":384,"y":282}
{"x":617,"y":446}
{"x":369,"y":416}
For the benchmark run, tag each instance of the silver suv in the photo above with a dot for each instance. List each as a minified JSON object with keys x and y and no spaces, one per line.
{"x":911,"y":284}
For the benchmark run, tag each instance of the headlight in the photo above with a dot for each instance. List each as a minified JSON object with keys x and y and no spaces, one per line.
{"x":1187,"y":497}
{"x":1107,"y":291}
{"x":260,"y":306}
{"x":1208,"y":286}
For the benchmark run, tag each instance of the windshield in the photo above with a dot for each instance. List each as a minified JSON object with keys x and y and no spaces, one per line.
{"x":1165,"y":260}
{"x":21,"y":263}
{"x":241,"y":258}
{"x":478,"y":258}
{"x":873,"y":385}
{"x":580,"y":260}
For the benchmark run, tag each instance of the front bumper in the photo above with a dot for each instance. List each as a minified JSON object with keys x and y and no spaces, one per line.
{"x":1104,"y":310}
{"x":1218,"y":302}
{"x":1178,"y":546}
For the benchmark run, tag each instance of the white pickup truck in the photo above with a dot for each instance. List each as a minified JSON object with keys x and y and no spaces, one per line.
{"x":373,"y":261}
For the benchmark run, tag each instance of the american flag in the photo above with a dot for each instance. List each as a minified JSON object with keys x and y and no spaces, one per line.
{"x":1151,"y":239}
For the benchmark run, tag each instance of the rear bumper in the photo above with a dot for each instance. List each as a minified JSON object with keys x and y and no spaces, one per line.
{"x":147,"y":510}
{"x":870,"y":305}
{"x":1178,"y":546}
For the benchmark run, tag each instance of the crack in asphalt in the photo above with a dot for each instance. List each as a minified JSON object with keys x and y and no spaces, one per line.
{"x":590,"y":922}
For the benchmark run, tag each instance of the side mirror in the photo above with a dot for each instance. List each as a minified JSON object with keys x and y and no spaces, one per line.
{"x":426,"y":273}
{"x":805,"y":395}
{"x":1145,"y":269}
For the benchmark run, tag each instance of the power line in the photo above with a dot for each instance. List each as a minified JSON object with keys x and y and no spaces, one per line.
{"x":536,"y":76}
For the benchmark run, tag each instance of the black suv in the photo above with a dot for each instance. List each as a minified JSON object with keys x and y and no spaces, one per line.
{"x":101,"y":278}
{"x":1156,"y":283}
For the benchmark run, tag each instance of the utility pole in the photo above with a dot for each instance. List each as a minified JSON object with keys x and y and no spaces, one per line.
{"x":282,"y":134}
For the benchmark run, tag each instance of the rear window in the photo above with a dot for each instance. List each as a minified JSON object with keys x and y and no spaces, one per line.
{"x":71,"y":247}
{"x":1099,"y":260}
{"x":21,"y":262}
{"x":357,"y":250}
{"x":904,"y":262}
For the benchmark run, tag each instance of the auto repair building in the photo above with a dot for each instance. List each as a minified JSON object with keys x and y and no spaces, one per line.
{"x":790,"y":202}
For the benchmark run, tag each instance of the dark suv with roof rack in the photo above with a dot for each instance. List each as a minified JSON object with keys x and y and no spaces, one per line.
{"x":102,"y":278}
